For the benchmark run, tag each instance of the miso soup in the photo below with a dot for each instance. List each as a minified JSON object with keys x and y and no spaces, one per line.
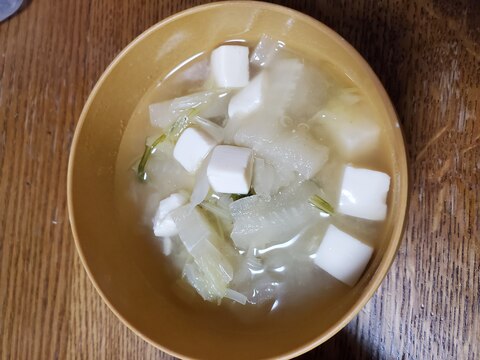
{"x":254,"y":181}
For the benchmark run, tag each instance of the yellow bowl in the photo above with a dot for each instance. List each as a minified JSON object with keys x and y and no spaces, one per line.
{"x":110,"y":258}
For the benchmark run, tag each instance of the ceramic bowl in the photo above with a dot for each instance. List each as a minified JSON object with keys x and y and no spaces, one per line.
{"x":114,"y":262}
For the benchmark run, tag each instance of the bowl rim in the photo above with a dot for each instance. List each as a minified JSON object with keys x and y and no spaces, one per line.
{"x":402,"y":163}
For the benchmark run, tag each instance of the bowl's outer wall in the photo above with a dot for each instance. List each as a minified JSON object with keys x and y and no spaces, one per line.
{"x":155,"y":314}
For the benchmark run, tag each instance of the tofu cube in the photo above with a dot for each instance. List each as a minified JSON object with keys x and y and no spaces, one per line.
{"x":248,"y":99}
{"x":343,"y":256}
{"x":230,"y":169}
{"x":364,"y":193}
{"x":352,"y":137}
{"x":192,"y":147}
{"x":229,"y":66}
{"x":163,"y":224}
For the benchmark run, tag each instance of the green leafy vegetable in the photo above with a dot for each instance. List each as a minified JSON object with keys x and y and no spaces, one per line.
{"x":179,"y":125}
{"x":149,"y":149}
{"x":321,"y":204}
{"x":173,"y":133}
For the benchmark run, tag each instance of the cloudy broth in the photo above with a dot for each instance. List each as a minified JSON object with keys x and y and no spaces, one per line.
{"x":286,"y":268}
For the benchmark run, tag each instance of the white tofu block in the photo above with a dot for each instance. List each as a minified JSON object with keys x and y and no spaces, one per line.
{"x":343,"y":256}
{"x":352,"y":137}
{"x":364,"y":193}
{"x":229,"y":66}
{"x":230,"y":169}
{"x":192,"y":147}
{"x":163,"y":224}
{"x":248,"y":99}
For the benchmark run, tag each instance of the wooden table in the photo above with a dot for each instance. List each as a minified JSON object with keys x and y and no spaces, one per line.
{"x":427,"y":54}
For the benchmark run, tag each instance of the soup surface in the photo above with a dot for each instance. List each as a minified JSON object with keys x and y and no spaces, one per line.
{"x":317,"y":171}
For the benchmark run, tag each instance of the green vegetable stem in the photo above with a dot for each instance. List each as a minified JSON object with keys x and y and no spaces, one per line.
{"x":321,"y":204}
{"x":173,"y":133}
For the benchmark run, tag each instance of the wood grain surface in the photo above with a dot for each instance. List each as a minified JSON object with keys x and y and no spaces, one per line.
{"x":426,"y":53}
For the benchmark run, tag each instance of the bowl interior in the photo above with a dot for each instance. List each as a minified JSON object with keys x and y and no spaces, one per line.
{"x":110,"y":256}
